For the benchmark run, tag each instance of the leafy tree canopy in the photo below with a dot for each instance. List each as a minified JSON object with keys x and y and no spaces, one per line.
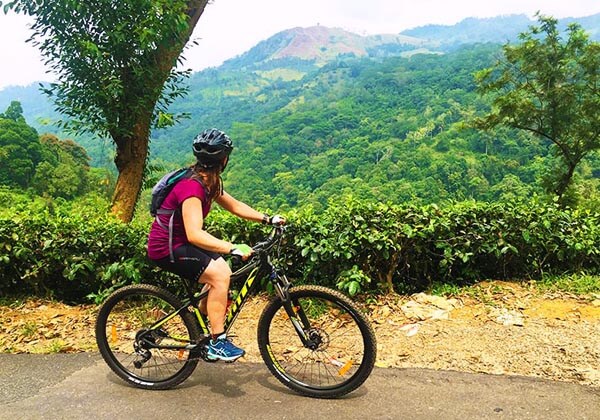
{"x":48,"y":165}
{"x":102,"y":53}
{"x":14,"y":112}
{"x":116,"y":68}
{"x":549,"y":87}
{"x":20,"y":148}
{"x":64,"y":171}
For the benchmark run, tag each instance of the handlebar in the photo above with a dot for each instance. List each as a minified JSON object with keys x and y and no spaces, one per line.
{"x":268,"y":243}
{"x":271,"y":240}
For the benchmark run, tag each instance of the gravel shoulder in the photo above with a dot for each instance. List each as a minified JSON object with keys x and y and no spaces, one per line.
{"x":498,"y":328}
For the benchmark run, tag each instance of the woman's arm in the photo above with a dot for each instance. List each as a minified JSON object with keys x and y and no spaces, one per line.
{"x":239,"y":208}
{"x":193,"y":221}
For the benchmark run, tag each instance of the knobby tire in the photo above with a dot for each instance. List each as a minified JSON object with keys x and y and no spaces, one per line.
{"x":130,"y":310}
{"x":347,"y":347}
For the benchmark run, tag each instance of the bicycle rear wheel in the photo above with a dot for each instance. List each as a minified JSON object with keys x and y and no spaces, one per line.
{"x":128,"y":346}
{"x":343,"y":346}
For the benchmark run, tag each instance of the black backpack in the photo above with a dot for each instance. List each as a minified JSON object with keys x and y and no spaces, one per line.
{"x":160,"y":192}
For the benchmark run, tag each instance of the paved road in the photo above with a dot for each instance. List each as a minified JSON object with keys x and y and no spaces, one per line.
{"x":81,"y":386}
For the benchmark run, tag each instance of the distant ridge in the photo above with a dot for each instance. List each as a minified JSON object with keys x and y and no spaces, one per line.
{"x":293,"y":53}
{"x":320,"y":44}
{"x":499,"y":29}
{"x":470,"y":30}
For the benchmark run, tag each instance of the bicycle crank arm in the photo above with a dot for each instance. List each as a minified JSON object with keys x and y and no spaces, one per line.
{"x":147,"y":344}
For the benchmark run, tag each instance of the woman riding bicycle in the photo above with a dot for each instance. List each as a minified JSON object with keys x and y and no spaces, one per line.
{"x":196,"y":254}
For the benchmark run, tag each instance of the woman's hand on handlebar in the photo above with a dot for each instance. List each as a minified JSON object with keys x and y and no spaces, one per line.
{"x":241,"y":250}
{"x":278,"y":220}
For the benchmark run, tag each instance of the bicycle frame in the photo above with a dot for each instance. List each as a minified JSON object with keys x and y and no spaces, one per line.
{"x":250,"y":271}
{"x":259,"y":265}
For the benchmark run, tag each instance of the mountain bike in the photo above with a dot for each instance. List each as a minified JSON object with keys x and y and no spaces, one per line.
{"x":313,"y":339}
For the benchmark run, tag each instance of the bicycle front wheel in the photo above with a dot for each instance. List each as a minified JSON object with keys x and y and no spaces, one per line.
{"x":142,"y":353}
{"x":342,"y":349}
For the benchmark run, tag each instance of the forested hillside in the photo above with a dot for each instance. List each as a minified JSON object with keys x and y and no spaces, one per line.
{"x":394,"y":130}
{"x":390,"y":131}
{"x":318,"y":112}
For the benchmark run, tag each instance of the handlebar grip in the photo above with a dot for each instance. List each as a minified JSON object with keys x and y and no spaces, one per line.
{"x":270,"y":240}
{"x":260,"y":245}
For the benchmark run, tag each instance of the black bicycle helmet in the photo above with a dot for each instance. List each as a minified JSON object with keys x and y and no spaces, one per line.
{"x":211,"y":147}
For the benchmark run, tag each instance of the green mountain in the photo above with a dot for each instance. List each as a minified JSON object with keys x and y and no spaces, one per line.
{"x":317,"y":112}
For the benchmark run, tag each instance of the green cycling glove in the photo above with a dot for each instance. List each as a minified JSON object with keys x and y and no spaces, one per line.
{"x":241,"y":250}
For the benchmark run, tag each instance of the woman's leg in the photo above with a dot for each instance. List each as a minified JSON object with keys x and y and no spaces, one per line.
{"x":217,"y":276}
{"x":202,"y":305}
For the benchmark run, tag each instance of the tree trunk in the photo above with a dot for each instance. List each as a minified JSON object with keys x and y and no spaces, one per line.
{"x":387,"y":283}
{"x":132,"y":150}
{"x":130,"y":160}
{"x":565,"y":180}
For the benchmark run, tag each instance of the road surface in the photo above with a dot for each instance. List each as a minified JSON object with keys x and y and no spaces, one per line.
{"x":81,"y":386}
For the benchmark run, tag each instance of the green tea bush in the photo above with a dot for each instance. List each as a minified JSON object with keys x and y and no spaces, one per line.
{"x":408,"y":248}
{"x":76,"y":250}
{"x":67,"y":253}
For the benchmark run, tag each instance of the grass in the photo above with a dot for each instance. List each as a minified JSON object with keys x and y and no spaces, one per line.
{"x":56,"y":346}
{"x":29,"y":329}
{"x":445,"y":289}
{"x":579,"y":284}
{"x":12,"y":301}
{"x":475,"y":291}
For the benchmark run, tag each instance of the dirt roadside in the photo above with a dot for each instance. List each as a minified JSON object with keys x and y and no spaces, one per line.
{"x":498,"y":328}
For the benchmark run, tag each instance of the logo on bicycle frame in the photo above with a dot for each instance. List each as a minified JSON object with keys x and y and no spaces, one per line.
{"x":236,"y":304}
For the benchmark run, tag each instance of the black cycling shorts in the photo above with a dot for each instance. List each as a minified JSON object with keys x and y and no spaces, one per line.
{"x":190,"y":262}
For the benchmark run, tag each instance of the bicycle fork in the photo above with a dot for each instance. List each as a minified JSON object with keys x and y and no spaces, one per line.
{"x":295,"y":312}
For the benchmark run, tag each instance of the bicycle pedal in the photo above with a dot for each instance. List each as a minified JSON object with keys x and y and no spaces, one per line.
{"x":204,"y":356}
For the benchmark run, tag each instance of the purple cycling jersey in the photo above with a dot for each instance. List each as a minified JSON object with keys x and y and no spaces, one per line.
{"x":158,"y":238}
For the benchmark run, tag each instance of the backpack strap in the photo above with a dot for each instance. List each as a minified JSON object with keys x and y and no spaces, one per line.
{"x":169,"y":228}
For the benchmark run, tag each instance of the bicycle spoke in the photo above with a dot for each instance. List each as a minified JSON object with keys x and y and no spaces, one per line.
{"x":135,"y":329}
{"x":338,"y":347}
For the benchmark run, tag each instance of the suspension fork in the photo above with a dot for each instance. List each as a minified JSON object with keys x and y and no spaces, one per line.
{"x":292,"y":308}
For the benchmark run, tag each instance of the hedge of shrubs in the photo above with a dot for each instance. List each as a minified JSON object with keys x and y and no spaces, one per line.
{"x":72,"y":253}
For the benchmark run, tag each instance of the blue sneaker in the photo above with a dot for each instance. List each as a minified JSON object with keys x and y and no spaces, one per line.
{"x":223,"y":349}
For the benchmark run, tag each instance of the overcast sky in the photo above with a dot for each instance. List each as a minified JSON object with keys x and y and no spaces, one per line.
{"x":230,"y":27}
